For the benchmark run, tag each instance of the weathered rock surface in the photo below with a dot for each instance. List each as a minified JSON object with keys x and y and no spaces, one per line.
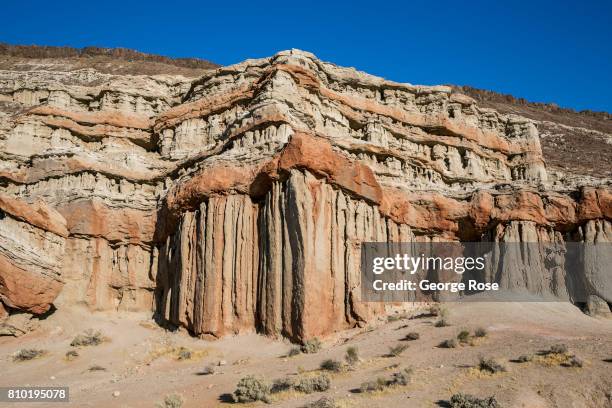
{"x":237,"y":201}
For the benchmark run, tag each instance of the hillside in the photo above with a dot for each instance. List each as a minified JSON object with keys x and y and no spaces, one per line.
{"x":573,"y":142}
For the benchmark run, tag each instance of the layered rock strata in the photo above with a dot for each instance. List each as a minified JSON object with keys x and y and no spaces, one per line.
{"x":237,"y":201}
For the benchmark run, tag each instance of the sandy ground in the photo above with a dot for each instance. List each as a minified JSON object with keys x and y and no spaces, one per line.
{"x":141,"y":364}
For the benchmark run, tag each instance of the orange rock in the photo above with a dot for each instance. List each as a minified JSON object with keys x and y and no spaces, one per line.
{"x":38,"y":214}
{"x":95,"y":219}
{"x":316,"y":155}
{"x":24,"y":290}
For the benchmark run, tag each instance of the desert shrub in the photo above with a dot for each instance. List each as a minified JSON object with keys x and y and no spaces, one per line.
{"x":88,"y":338}
{"x":412,"y":336}
{"x":352,"y":355}
{"x":96,"y":367}
{"x":434,"y":310}
{"x":371,"y":386}
{"x":490,"y":365}
{"x":525,"y":358}
{"x":311,"y":346}
{"x":71,"y":355}
{"x":184,"y":354}
{"x":282,"y":384}
{"x":317,"y":383}
{"x":331,"y":365}
{"x":450,"y":343}
{"x":251,"y":389}
{"x":397,"y":350}
{"x":208,"y":370}
{"x":294,"y":351}
{"x":171,"y":401}
{"x":28,"y":354}
{"x":393,"y":318}
{"x":574,"y":361}
{"x":480,"y":332}
{"x":469,"y":401}
{"x":401,"y":377}
{"x":325,"y":402}
{"x":557,"y":349}
{"x":463,"y":336}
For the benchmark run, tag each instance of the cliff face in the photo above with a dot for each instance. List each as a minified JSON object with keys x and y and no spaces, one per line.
{"x":237,"y":201}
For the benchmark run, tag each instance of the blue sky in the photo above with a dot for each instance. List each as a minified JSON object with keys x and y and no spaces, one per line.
{"x":549,"y":51}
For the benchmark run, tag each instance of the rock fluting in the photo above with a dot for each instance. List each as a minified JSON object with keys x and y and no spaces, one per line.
{"x":237,"y":201}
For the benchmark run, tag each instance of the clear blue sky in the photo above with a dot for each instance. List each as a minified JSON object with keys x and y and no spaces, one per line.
{"x":550,"y":51}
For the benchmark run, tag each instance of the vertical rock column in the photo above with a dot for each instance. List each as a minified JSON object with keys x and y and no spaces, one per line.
{"x":207,"y":269}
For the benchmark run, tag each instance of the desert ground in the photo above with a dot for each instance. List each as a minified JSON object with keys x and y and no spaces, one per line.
{"x":139,"y":363}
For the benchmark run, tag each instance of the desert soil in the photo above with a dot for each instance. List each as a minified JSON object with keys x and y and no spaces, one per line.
{"x":141,"y":364}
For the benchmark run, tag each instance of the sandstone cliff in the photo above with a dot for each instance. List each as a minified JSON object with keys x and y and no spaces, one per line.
{"x":237,"y":201}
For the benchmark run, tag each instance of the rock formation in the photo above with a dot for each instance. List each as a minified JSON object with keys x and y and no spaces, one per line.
{"x":237,"y":201}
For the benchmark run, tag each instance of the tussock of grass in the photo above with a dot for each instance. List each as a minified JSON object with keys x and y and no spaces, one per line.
{"x":282,"y":384}
{"x":352,"y":355}
{"x":28,"y":354}
{"x":557,"y":349}
{"x":490,"y":365}
{"x":463,"y":336}
{"x":96,"y":368}
{"x":171,"y":401}
{"x":480,"y":332}
{"x":412,"y":336}
{"x":88,"y":338}
{"x":400,"y":378}
{"x":325,"y":402}
{"x":311,"y":346}
{"x":450,"y":343}
{"x":71,"y":355}
{"x":525,"y":358}
{"x":574,"y":361}
{"x":397,"y":350}
{"x":177,"y":353}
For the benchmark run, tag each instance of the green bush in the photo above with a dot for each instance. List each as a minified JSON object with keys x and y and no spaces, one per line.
{"x":441,"y":323}
{"x":557,"y":349}
{"x":325,"y":402}
{"x":294,"y":351}
{"x":469,"y":401}
{"x":371,"y":386}
{"x":480,"y":332}
{"x":28,"y":354}
{"x":397,"y":350}
{"x":450,"y":343}
{"x":282,"y":384}
{"x":184,"y":354}
{"x":525,"y":358}
{"x":171,"y":401}
{"x":331,"y":365}
{"x":412,"y":336}
{"x":401,"y":377}
{"x":490,"y":365}
{"x":574,"y":361}
{"x":311,"y":346}
{"x":71,"y":355}
{"x":463,"y":336}
{"x":251,"y":389}
{"x":318,"y":383}
{"x":352,"y":355}
{"x":88,"y":338}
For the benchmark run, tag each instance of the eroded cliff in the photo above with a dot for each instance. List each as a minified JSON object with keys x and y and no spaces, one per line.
{"x":237,"y":201}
